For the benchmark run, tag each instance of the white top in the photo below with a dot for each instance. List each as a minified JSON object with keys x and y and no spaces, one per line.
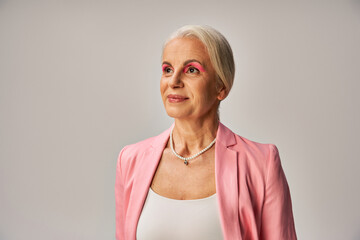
{"x":166,"y":218}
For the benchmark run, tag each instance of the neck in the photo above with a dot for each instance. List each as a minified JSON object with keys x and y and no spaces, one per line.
{"x":190,"y":137}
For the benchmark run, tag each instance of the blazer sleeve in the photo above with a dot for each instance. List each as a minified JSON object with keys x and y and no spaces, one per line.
{"x":277,"y":216}
{"x":119,"y":200}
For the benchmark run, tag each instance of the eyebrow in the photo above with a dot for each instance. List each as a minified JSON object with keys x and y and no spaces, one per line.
{"x":165,"y":62}
{"x":185,"y":63}
{"x":192,"y":60}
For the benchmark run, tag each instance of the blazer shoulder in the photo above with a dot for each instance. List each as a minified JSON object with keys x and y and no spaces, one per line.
{"x":253,"y":147}
{"x":260,"y":158}
{"x":131,"y":152}
{"x":138,"y":147}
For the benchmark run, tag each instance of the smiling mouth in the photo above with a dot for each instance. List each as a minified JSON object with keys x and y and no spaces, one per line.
{"x":177,"y":99}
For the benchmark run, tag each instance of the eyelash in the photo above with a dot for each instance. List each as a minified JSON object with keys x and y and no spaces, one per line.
{"x":190,"y":68}
{"x":165,"y":68}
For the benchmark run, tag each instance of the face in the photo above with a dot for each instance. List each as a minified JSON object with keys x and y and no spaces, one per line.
{"x":188,"y":82}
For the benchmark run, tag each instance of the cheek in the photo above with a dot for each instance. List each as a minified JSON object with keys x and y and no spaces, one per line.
{"x":163,"y":86}
{"x":207,"y":93}
{"x":200,"y":93}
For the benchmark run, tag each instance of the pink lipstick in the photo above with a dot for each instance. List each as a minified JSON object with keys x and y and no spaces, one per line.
{"x":175,"y":98}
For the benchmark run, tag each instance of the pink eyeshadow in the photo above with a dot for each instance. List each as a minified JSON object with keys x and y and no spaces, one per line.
{"x":195,"y":64}
{"x":164,"y":66}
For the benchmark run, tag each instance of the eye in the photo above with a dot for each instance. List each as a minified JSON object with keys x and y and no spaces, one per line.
{"x":192,"y":70}
{"x":166,"y":69}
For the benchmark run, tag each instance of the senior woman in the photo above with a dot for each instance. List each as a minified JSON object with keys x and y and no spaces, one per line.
{"x":198,"y":179}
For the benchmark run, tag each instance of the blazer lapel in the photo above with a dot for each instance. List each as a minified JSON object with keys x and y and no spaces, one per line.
{"x":143,"y":177}
{"x":226,"y":175}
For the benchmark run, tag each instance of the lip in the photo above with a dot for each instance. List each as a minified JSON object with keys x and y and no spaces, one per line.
{"x":174,"y":98}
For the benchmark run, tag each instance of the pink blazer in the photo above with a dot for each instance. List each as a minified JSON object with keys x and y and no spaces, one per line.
{"x":252,"y":191}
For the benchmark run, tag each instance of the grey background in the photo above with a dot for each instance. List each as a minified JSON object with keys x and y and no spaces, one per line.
{"x":80,"y":79}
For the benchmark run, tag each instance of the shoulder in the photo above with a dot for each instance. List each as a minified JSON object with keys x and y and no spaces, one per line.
{"x":251,"y":147}
{"x":254,"y":147}
{"x":130,"y":153}
{"x":257,"y":156}
{"x":259,"y":162}
{"x":138,"y":147}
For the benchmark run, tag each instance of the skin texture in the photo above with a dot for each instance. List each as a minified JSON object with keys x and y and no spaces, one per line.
{"x":187,"y":71}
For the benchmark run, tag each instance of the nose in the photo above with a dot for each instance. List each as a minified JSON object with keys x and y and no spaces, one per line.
{"x":175,"y":81}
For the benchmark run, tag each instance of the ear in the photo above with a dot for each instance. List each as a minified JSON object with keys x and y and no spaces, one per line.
{"x":222,"y":93}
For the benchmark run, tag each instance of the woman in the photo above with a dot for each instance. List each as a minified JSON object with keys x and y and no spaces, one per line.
{"x":198,"y":179}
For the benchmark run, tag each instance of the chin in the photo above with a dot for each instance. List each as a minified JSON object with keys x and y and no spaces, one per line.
{"x":176,"y":114}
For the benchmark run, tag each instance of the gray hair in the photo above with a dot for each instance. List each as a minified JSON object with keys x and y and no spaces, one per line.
{"x":218,"y":48}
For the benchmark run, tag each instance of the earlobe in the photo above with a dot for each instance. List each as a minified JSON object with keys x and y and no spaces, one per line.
{"x":222,"y":94}
{"x":221,"y":89}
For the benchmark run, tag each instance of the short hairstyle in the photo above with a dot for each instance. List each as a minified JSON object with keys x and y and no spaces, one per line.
{"x":218,"y":48}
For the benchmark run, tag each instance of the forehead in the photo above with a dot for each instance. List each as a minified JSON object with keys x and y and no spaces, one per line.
{"x":182,"y":49}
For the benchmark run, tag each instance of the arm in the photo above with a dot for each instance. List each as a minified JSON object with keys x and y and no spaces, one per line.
{"x":277,"y":217}
{"x":119,"y":200}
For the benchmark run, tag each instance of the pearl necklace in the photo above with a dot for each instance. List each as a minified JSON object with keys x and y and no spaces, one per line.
{"x":186,"y":162}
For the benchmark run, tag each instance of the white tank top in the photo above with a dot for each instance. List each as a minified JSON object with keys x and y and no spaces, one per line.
{"x":166,"y":218}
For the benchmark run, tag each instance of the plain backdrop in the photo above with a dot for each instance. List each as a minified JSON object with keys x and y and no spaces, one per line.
{"x":80,"y":79}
